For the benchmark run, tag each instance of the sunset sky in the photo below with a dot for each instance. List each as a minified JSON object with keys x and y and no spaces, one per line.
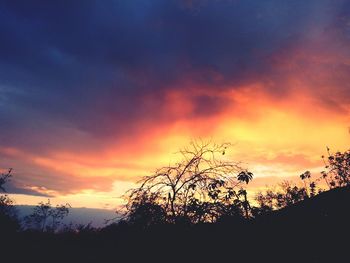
{"x":96,"y":94}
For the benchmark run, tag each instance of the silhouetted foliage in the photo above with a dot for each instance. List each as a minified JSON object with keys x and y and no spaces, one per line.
{"x":4,"y":178}
{"x":286,"y":194}
{"x":7,"y":207}
{"x":46,"y":218}
{"x":145,"y":211}
{"x":8,"y":212}
{"x":290,"y":219}
{"x":337,"y":166}
{"x":202,"y":187}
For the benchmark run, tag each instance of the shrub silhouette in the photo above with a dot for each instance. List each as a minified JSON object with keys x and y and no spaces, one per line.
{"x":286,"y":194}
{"x":144,"y":211}
{"x":202,"y":187}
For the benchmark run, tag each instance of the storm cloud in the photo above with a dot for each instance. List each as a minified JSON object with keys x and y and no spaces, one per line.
{"x":73,"y":72}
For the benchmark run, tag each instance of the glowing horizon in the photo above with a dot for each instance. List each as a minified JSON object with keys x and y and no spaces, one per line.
{"x":84,"y":118}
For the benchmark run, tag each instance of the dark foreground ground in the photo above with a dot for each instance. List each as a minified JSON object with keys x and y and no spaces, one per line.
{"x":315,"y":230}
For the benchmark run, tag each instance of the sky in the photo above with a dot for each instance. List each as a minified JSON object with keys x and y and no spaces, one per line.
{"x":96,"y":94}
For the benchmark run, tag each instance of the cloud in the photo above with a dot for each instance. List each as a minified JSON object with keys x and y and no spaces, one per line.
{"x":83,"y":77}
{"x":13,"y":189}
{"x":98,"y":63}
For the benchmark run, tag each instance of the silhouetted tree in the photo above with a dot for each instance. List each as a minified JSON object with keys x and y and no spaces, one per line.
{"x":199,"y":188}
{"x":4,"y":178}
{"x":337,"y":166}
{"x":7,"y":207}
{"x":46,"y":218}
{"x":8,"y":212}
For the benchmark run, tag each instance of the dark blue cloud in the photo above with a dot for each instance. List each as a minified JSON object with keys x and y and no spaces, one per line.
{"x":13,"y":189}
{"x":87,"y":65}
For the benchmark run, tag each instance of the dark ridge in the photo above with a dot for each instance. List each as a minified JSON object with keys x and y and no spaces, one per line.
{"x":313,"y":230}
{"x":330,"y":205}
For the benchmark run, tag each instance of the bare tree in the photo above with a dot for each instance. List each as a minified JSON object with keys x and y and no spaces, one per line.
{"x":199,"y":187}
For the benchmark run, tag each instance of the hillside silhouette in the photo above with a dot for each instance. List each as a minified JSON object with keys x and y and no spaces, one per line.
{"x":294,"y":223}
{"x":314,"y":230}
{"x":329,"y":206}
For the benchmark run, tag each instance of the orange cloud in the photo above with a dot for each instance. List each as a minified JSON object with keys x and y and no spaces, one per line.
{"x":280,"y":124}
